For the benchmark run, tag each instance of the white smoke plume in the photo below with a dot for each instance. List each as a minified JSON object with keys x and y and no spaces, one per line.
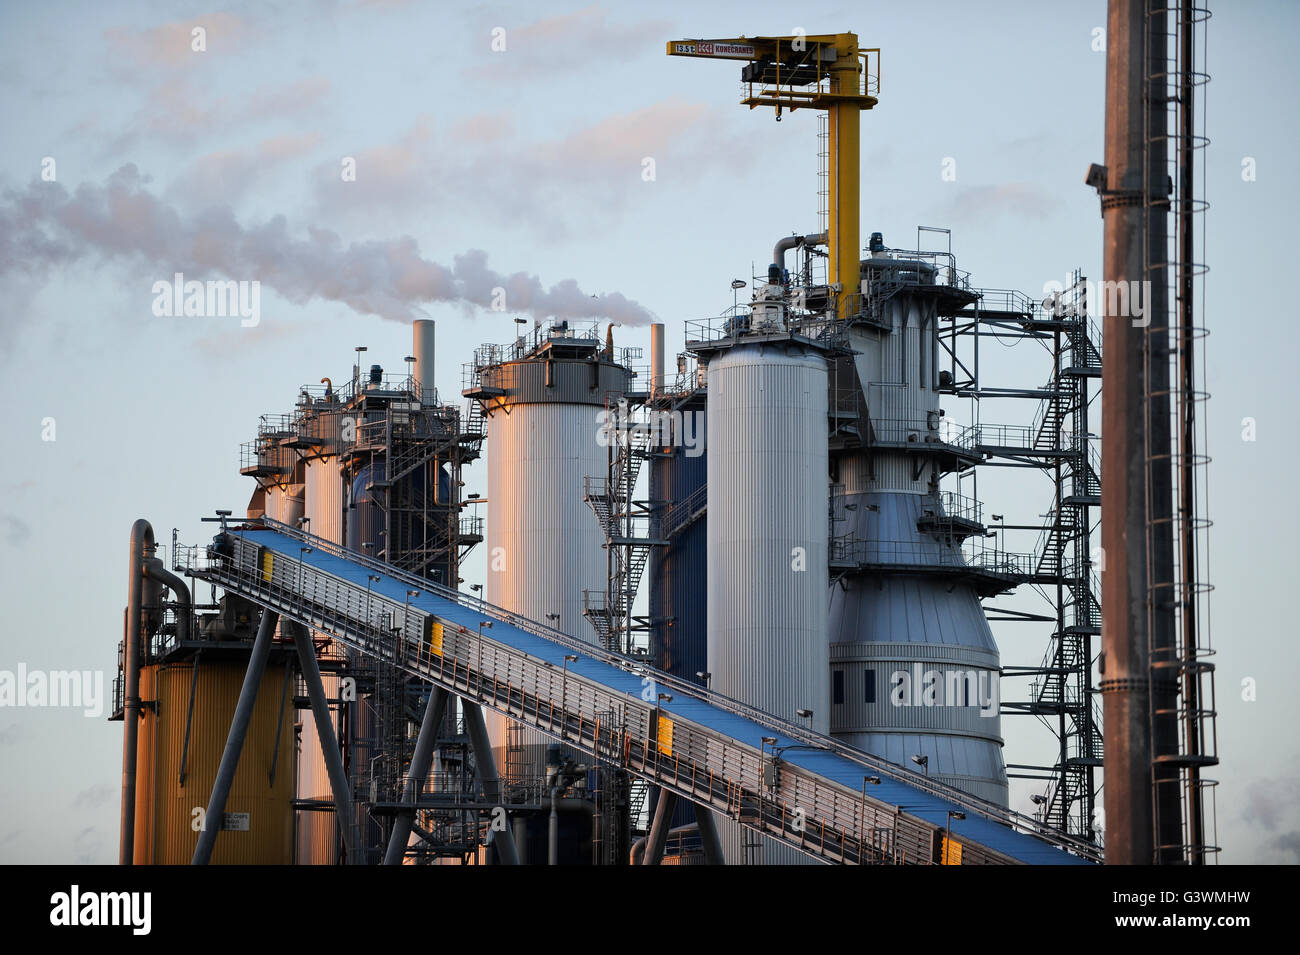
{"x":43,"y":227}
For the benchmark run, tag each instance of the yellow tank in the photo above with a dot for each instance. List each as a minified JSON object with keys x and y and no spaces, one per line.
{"x":259,"y":812}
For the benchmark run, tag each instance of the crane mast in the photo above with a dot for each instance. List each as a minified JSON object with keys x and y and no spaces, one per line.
{"x":825,"y":72}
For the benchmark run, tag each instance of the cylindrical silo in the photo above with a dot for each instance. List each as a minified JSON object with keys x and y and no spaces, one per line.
{"x":767,"y":536}
{"x":317,"y":831}
{"x":678,"y":584}
{"x":545,"y":544}
{"x":914,"y":667}
{"x":768,"y":527}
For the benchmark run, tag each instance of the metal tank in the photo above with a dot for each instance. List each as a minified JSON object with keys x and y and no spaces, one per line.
{"x":913,"y":663}
{"x":678,"y":584}
{"x":324,"y":510}
{"x":542,"y":397}
{"x":178,"y":759}
{"x":768,"y":529}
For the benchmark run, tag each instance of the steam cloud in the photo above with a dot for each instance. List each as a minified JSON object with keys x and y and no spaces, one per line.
{"x":44,"y":227}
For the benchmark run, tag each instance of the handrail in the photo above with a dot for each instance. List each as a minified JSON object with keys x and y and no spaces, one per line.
{"x":1015,"y":820}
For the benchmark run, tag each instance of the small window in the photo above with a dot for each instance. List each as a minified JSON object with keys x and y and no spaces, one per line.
{"x":869,"y":679}
{"x":837,"y":677}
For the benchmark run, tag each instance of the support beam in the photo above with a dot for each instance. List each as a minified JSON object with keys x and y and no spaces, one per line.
{"x":421,"y":759}
{"x":503,"y":839}
{"x":215,"y":815}
{"x":329,"y":744}
{"x":142,"y":547}
{"x":708,"y":835}
{"x":663,"y":820}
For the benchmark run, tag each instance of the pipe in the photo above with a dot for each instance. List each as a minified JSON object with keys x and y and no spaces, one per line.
{"x":656,"y":358}
{"x":486,"y":763}
{"x":658,"y":835}
{"x":215,"y":815}
{"x":154,"y":570}
{"x":637,"y":853}
{"x":142,"y":548}
{"x":325,"y":733}
{"x":709,"y":835}
{"x":793,"y":242}
{"x":424,"y":351}
{"x":553,"y":834}
{"x":421,"y":758}
{"x":1139,"y":689}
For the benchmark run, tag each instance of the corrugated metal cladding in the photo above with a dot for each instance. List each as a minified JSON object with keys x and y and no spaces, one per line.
{"x":165,"y":833}
{"x":900,"y":378}
{"x":324,"y":498}
{"x":678,"y":573}
{"x":317,"y":831}
{"x":767,"y":530}
{"x":284,"y":503}
{"x":557,"y":382}
{"x":767,"y":541}
{"x":544,"y":543}
{"x":884,"y":623}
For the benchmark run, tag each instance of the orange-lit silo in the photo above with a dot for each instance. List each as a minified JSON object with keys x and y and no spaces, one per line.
{"x":182,"y":734}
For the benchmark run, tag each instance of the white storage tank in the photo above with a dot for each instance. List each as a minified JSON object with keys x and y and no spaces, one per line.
{"x":768,"y":528}
{"x":767,"y":539}
{"x":317,"y":839}
{"x":544,"y":543}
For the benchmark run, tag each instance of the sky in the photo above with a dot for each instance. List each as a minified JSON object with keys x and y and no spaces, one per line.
{"x":373,"y":162}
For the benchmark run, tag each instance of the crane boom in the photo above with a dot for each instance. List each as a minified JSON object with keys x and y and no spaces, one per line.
{"x":828,"y":72}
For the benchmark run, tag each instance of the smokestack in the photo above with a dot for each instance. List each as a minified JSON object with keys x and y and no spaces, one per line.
{"x":1138,"y":686}
{"x":656,"y":357}
{"x":422,"y":331}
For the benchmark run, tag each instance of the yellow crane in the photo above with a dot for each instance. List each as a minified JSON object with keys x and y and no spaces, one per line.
{"x":827,"y":71}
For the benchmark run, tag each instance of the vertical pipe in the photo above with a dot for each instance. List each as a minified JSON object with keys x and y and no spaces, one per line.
{"x":488,"y":778}
{"x":1136,"y":493}
{"x":142,"y":545}
{"x":325,"y":733}
{"x":1187,"y":422}
{"x":663,"y":820}
{"x":656,"y":358}
{"x":553,"y":830}
{"x":417,"y":773}
{"x":844,"y":123}
{"x":212,"y":820}
{"x":708,"y":835}
{"x":423,"y":349}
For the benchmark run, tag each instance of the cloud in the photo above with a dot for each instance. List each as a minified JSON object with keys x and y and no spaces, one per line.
{"x":1289,"y":845}
{"x":86,"y":845}
{"x":230,"y":173}
{"x":1272,"y":803}
{"x":121,"y":222}
{"x":94,"y":797}
{"x":13,"y":530}
{"x":567,"y":43}
{"x":1017,"y":199}
{"x":135,"y":53}
{"x":582,"y":179}
{"x":180,"y":111}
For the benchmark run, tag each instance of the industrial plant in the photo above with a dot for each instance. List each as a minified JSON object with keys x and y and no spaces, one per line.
{"x":741,"y":601}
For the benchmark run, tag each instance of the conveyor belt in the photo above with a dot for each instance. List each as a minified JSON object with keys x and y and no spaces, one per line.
{"x":807,"y":790}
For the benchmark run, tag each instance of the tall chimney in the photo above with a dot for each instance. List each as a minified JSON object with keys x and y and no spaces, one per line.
{"x":656,"y":358}
{"x":1139,"y":690}
{"x":423,"y":349}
